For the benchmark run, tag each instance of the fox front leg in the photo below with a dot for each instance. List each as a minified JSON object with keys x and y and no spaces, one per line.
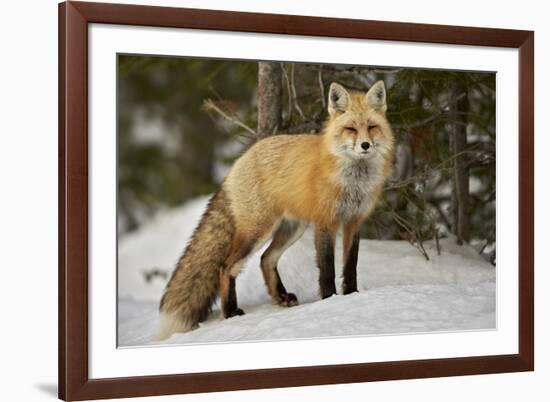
{"x":324,"y":245}
{"x":351,"y":253}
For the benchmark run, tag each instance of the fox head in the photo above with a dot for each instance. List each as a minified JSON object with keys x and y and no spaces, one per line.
{"x":357,"y":127}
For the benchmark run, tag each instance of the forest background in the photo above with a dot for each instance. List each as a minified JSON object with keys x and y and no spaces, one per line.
{"x":182,"y":122}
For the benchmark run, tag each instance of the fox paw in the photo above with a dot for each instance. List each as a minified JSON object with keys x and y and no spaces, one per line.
{"x":348,"y":291}
{"x":287,"y":300}
{"x":236,"y":312}
{"x":349,"y":286}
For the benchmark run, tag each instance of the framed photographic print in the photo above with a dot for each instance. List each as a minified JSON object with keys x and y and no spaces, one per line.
{"x":259,"y":200}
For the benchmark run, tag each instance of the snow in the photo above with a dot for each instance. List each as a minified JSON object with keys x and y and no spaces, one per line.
{"x":399,"y":291}
{"x":156,"y":245}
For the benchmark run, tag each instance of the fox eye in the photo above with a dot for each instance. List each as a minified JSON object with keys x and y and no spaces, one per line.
{"x":371,"y":126}
{"x":352,"y":129}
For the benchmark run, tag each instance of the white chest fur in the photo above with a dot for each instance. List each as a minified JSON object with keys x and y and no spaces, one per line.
{"x":360,"y":182}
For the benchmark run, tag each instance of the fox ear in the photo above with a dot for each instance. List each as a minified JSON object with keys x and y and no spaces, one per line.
{"x":376,"y":96}
{"x":338,"y":98}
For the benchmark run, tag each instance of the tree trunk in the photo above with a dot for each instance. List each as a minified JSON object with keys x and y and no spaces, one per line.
{"x":461,"y":185}
{"x":270,"y":90}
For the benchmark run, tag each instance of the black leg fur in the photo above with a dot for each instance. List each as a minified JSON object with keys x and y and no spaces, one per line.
{"x":324,"y":243}
{"x":230,"y":308}
{"x":350,"y":267}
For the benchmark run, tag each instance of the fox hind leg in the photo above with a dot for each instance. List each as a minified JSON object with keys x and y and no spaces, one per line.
{"x":241,"y":247}
{"x":286,"y":234}
{"x":228,"y":295}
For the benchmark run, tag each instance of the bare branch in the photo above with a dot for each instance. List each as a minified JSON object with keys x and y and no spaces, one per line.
{"x":322,"y":86}
{"x":437,"y":245}
{"x":440,"y":112}
{"x":209,"y":105}
{"x":415,"y":240}
{"x":290,"y":98}
{"x":293,"y":87}
{"x":444,"y":218}
{"x":427,"y":173}
{"x":306,"y":128}
{"x":355,"y":69}
{"x":418,"y":123}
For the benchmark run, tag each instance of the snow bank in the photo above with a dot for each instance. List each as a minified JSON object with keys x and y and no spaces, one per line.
{"x":156,"y":245}
{"x":399,"y":291}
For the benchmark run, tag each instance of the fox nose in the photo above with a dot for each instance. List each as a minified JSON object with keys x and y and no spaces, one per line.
{"x":365,"y":145}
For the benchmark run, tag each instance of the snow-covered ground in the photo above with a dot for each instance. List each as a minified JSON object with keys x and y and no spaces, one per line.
{"x":399,"y":291}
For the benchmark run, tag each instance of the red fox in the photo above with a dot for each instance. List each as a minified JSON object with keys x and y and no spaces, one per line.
{"x":274,"y":190}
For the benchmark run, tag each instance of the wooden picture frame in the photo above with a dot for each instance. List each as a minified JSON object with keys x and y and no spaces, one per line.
{"x":74,"y":381}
